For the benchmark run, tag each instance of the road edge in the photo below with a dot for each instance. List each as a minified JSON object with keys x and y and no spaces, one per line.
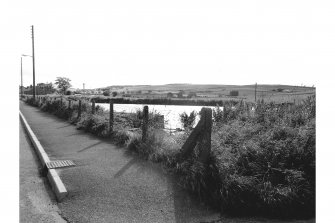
{"x":55,"y":181}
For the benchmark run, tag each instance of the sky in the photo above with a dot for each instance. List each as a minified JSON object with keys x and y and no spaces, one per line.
{"x":102,"y":43}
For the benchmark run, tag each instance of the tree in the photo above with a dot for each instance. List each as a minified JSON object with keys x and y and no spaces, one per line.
{"x":188,"y":120}
{"x":180,"y":94}
{"x":169,"y":95}
{"x":106,"y":93}
{"x":63,"y":83}
{"x":191,"y":95}
{"x":114,"y":93}
{"x":45,"y":88}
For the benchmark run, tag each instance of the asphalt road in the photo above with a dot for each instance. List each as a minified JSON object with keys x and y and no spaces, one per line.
{"x":109,"y":185}
{"x":37,"y":202}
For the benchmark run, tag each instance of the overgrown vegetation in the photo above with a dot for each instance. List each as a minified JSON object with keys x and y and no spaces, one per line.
{"x":262,"y":162}
{"x":188,"y":120}
{"x":262,"y":159}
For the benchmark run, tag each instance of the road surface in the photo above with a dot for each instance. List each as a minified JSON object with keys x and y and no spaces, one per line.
{"x":37,"y":202}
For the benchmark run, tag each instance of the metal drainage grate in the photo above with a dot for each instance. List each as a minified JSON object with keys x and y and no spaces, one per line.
{"x":60,"y":164}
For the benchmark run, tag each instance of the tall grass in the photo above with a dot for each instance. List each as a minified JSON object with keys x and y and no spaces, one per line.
{"x":261,"y":163}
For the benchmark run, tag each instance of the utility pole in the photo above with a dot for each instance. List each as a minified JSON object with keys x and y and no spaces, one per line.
{"x":34,"y":88}
{"x":21,"y":79}
{"x":255,"y":92}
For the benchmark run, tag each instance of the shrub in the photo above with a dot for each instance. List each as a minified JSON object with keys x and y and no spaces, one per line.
{"x":68,"y":92}
{"x":188,"y":120}
{"x":159,"y":146}
{"x":31,"y":101}
{"x":180,"y":94}
{"x":169,"y":95}
{"x":120,"y":137}
{"x":191,"y":95}
{"x":106,"y":93}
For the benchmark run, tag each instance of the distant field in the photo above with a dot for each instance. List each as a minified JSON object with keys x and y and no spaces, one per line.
{"x":268,"y":93}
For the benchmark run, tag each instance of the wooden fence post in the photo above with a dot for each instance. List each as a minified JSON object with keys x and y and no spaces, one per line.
{"x":201,"y":134}
{"x":205,"y":142}
{"x":145,"y":123}
{"x":224,"y":113}
{"x":69,"y":104}
{"x":93,"y":107}
{"x":79,"y":109}
{"x":111,"y":117}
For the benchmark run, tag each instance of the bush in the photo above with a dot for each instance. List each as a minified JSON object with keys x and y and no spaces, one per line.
{"x":31,"y":101}
{"x":191,"y":95}
{"x":169,"y":95}
{"x":188,"y":120}
{"x":106,"y":93}
{"x":180,"y":94}
{"x":94,"y":123}
{"x":68,"y":92}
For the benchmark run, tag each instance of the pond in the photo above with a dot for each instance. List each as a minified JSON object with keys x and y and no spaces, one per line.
{"x":171,"y":112}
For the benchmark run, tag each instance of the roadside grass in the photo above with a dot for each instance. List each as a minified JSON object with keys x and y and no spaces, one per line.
{"x":262,"y":160}
{"x":261,"y":164}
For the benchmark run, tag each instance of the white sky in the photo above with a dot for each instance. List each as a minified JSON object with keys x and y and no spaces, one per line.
{"x":103,"y":43}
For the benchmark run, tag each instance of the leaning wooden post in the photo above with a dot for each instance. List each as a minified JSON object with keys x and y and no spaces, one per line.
{"x":111,"y":117}
{"x":79,"y":109}
{"x":205,"y":142}
{"x":145,"y":123}
{"x":61,"y":101}
{"x":93,"y":107}
{"x":201,"y":136}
